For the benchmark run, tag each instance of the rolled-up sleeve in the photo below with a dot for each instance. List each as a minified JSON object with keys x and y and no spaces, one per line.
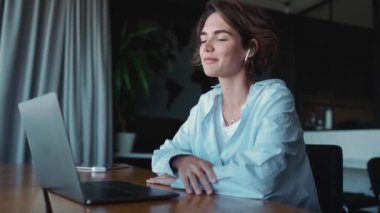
{"x":179,"y":145}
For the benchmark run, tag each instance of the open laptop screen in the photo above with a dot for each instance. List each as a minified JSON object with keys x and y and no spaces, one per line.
{"x":54,"y":163}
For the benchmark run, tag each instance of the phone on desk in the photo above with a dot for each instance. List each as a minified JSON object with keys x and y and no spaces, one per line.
{"x":97,"y":168}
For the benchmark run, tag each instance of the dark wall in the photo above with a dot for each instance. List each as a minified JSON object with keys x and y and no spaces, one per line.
{"x":376,"y":23}
{"x":286,"y":57}
{"x":180,"y":16}
{"x":334,"y":59}
{"x":335,"y":68}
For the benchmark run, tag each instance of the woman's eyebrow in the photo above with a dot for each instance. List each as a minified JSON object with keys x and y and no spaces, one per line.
{"x":216,"y":32}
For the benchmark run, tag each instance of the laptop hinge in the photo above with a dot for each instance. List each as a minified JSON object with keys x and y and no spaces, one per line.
{"x":49,"y":209}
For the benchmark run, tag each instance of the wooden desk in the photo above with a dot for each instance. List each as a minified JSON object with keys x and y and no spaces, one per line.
{"x":20,"y":192}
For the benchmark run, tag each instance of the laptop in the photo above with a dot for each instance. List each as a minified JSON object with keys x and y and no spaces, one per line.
{"x":54,"y":164}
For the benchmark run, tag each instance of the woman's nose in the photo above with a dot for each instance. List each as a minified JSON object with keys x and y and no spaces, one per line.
{"x":208,"y":47}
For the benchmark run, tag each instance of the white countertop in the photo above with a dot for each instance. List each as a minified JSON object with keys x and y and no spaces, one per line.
{"x":358,"y":145}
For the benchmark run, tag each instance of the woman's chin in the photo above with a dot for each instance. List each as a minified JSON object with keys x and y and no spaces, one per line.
{"x":210,"y":74}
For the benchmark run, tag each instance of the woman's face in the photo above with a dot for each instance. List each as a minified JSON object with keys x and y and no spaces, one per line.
{"x":221,"y":51}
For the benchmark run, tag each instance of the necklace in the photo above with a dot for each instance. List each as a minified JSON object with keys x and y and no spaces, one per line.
{"x":230,"y":114}
{"x":229,"y":118}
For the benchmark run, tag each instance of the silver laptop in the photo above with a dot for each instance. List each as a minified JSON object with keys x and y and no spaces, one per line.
{"x":54,"y":163}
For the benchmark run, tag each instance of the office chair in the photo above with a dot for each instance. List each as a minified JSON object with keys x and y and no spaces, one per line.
{"x":326,"y":163}
{"x":356,"y":201}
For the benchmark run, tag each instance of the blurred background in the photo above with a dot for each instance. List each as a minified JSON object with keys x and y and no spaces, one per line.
{"x":328,"y":53}
{"x":122,"y":70}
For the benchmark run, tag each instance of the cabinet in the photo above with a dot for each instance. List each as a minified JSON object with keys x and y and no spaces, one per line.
{"x":346,"y":113}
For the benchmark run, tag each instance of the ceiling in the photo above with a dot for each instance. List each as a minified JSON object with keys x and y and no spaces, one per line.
{"x":286,"y":6}
{"x":351,"y":12}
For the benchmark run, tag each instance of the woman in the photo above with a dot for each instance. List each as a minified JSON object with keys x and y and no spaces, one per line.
{"x":243,"y":138}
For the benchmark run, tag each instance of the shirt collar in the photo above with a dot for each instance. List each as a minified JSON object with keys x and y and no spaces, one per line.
{"x":217,"y":91}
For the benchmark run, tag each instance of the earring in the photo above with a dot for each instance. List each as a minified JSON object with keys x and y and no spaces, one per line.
{"x":246,"y":56}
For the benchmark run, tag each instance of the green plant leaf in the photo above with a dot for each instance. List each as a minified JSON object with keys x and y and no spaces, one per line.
{"x":142,"y":53}
{"x":126,"y":77}
{"x":141,"y":72}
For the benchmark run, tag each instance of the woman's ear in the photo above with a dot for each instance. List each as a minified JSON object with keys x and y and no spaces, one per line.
{"x":254,"y":47}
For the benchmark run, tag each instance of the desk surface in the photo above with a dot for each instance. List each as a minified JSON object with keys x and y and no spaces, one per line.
{"x":20,"y":192}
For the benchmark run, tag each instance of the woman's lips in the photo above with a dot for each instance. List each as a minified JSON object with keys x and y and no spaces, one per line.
{"x":209,"y":60}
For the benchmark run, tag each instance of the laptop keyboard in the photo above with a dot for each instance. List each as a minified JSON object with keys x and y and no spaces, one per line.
{"x":120,"y":191}
{"x":102,"y":189}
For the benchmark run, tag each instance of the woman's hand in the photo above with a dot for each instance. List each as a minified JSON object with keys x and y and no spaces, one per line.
{"x":163,"y":180}
{"x":192,"y":171}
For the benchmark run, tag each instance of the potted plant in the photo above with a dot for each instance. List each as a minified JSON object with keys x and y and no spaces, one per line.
{"x":143,"y":52}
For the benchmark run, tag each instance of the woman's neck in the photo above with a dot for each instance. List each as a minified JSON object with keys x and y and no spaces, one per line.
{"x":235,"y":93}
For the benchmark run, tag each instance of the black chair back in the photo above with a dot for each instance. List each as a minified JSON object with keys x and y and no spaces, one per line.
{"x":373,"y":167}
{"x":354,"y":201}
{"x":326,"y":162}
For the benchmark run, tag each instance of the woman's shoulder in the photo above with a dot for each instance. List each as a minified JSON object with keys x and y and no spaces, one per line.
{"x":210,"y":95}
{"x":207,"y":100}
{"x":272,"y":86}
{"x":271,"y":83}
{"x":274,"y":95}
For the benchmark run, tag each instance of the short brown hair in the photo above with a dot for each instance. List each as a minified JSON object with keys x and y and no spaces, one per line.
{"x":250,"y":22}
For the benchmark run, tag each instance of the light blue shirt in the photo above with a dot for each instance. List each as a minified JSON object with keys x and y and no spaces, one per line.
{"x":264,"y":158}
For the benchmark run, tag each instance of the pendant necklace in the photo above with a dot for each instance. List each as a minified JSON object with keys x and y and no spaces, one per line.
{"x":228,"y":117}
